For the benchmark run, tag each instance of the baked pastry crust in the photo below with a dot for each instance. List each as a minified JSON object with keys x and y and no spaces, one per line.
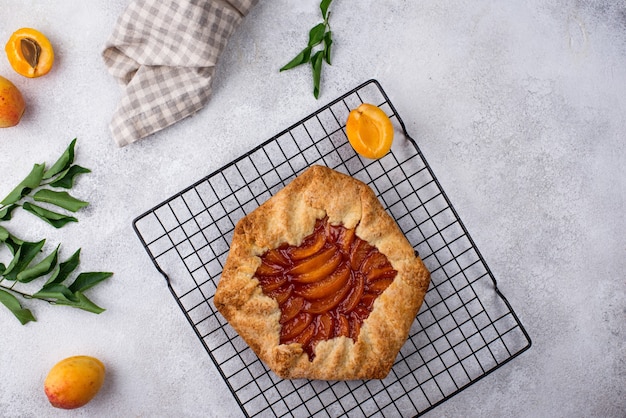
{"x":288,"y":217}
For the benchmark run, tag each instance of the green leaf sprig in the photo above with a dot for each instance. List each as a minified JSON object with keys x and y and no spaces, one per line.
{"x":317,"y":50}
{"x":40,"y":187}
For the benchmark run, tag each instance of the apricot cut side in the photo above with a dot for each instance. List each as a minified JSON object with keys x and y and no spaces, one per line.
{"x":30,"y":53}
{"x":369,"y":131}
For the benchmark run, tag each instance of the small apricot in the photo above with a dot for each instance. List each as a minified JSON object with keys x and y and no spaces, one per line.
{"x":74,"y":381}
{"x":369,"y":131}
{"x":30,"y":52}
{"x":11,"y":104}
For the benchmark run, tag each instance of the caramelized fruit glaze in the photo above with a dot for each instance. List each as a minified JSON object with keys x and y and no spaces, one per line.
{"x":326,"y":286}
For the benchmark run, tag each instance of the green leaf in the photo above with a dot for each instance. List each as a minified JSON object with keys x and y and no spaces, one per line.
{"x":22,"y":258}
{"x":55,"y":219}
{"x":4,"y":234}
{"x":58,"y":293}
{"x":87,"y":305}
{"x":316,"y":62}
{"x":66,"y":178}
{"x":301,"y":58}
{"x":61,"y":295}
{"x":30,"y":182}
{"x":5,"y":212}
{"x":23,"y":315}
{"x":328,"y":41}
{"x":13,"y":243}
{"x":324,"y":7}
{"x":61,"y":199}
{"x":42,"y":268}
{"x":83,"y":303}
{"x":88,"y":280}
{"x":64,"y":161}
{"x":63,"y":270}
{"x":316,"y":34}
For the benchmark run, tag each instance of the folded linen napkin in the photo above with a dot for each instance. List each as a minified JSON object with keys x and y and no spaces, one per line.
{"x":164,"y":52}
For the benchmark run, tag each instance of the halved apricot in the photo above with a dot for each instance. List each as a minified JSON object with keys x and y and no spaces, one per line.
{"x":30,"y":52}
{"x":369,"y":131}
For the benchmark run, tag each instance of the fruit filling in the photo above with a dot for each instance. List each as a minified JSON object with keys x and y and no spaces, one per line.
{"x":325,"y":287}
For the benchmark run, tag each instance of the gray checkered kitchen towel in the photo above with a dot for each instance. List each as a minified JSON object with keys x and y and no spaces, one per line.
{"x":164,"y":52}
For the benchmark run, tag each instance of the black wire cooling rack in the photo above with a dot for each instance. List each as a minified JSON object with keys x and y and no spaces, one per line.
{"x":465,"y":329}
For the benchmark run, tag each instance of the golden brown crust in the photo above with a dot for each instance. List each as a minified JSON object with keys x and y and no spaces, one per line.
{"x":288,"y":217}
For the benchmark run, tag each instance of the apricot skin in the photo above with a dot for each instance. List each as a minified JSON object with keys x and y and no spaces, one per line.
{"x":12,"y":104}
{"x":74,"y":381}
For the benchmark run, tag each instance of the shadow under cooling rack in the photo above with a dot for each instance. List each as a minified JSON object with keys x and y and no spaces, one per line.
{"x":465,"y":329}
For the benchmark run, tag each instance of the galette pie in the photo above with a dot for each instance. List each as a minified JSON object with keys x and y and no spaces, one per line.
{"x":320,"y":281}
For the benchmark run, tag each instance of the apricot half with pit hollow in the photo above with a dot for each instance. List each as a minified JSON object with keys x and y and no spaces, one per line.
{"x":30,"y":52}
{"x":369,"y":131}
{"x":74,"y":381}
{"x":12,"y":104}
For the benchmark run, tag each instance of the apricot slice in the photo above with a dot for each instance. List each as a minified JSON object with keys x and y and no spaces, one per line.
{"x":281,"y":294}
{"x":367,"y":300}
{"x":328,"y":286}
{"x":325,"y":326}
{"x":381,"y":273}
{"x":359,"y":314}
{"x":266,"y":269}
{"x":369,"y":131}
{"x":342,"y":326}
{"x":374,"y":260}
{"x":354,"y":297}
{"x":290,"y":309}
{"x":297,"y":324}
{"x":276,"y":257}
{"x":346,"y":239}
{"x":318,"y":306}
{"x":30,"y":53}
{"x":358,"y":253}
{"x":269,"y":283}
{"x":379,"y":286}
{"x":308,"y":248}
{"x":355,"y":329}
{"x":305,"y":336}
{"x":314,"y":268}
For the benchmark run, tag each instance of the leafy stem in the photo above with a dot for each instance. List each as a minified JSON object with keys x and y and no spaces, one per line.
{"x":38,"y":190}
{"x":318,"y":49}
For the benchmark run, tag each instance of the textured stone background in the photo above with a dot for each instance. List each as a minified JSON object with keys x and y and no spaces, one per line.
{"x":519,"y":107}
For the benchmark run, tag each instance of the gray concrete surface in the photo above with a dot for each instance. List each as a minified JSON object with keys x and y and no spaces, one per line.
{"x":519,"y":107}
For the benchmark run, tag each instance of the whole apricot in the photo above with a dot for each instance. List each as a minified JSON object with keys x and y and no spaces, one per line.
{"x":74,"y":381}
{"x":11,"y":104}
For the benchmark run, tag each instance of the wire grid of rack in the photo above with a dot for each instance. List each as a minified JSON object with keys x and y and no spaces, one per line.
{"x":465,"y":329}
